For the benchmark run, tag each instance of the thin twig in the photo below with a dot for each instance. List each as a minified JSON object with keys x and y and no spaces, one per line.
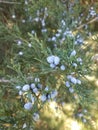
{"x":7,"y":2}
{"x":4,"y":81}
{"x":93,"y":20}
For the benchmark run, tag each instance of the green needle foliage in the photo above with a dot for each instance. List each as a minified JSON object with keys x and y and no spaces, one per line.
{"x":43,"y":56}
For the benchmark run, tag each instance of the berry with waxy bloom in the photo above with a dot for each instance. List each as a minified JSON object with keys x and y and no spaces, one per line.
{"x":26,"y":87}
{"x":28,"y":106}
